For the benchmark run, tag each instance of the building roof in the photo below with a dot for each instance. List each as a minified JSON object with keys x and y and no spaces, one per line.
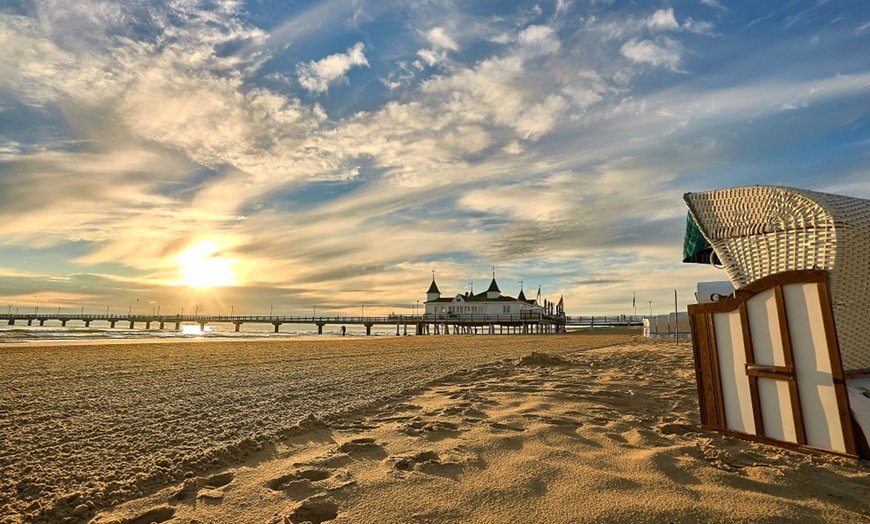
{"x":480,"y":297}
{"x":433,"y":288}
{"x":493,"y":286}
{"x":522,"y":296}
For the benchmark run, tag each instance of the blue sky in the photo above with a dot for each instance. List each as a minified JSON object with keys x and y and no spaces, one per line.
{"x":270,"y":154}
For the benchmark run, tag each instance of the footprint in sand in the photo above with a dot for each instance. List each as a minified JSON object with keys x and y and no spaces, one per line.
{"x":506,"y":427}
{"x":359,"y":445}
{"x":220,"y":480}
{"x":310,"y":481}
{"x":312,"y":511}
{"x":154,"y":515}
{"x":414,"y":461}
{"x":422,"y":427}
{"x":205,"y":488}
{"x":315,"y":511}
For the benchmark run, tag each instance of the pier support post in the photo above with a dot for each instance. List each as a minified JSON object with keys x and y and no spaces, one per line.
{"x":177,"y":326}
{"x":319,"y":328}
{"x":87,"y":323}
{"x":112,"y":324}
{"x":11,"y":321}
{"x":148,"y":325}
{"x":161,"y":325}
{"x":63,"y":323}
{"x":131,"y":324}
{"x":368,"y":329}
{"x":237,"y":324}
{"x":42,"y":322}
{"x":406,"y":330}
{"x":277,"y":325}
{"x":202,"y":326}
{"x":397,"y":330}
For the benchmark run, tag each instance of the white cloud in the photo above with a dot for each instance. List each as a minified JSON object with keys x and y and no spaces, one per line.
{"x":663,"y":20}
{"x":697,"y":26}
{"x":539,"y":40}
{"x":713,"y":3}
{"x":647,"y":52}
{"x":432,"y":57}
{"x":319,"y":75}
{"x":439,"y":38}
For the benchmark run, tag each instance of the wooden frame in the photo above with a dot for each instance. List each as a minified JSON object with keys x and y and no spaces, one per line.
{"x":768,"y":365}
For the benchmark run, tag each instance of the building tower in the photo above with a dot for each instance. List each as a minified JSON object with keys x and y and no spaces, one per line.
{"x":493,"y":292}
{"x":434,"y":293}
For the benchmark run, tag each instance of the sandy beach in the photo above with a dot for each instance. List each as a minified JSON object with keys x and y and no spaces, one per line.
{"x":568,"y":428}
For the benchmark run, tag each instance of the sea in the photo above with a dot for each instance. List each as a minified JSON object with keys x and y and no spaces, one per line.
{"x":53,"y":331}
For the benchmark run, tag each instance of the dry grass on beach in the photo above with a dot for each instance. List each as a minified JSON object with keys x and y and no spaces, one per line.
{"x":574,"y":428}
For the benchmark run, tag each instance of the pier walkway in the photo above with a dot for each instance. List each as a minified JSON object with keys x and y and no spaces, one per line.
{"x":422,"y":324}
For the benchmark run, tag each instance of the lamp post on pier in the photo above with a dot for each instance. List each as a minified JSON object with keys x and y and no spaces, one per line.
{"x":232,"y":310}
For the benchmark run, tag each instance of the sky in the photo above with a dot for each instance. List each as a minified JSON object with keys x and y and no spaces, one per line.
{"x":290,"y":157}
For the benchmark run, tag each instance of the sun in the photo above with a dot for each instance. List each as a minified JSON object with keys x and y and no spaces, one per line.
{"x":203,"y":266}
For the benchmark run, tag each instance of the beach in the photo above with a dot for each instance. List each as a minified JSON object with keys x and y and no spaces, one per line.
{"x":437,"y":429}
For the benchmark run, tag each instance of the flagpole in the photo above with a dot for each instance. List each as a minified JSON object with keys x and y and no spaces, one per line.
{"x":676,"y":319}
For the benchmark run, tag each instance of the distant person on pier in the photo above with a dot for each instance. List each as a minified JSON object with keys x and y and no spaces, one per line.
{"x":343,"y":330}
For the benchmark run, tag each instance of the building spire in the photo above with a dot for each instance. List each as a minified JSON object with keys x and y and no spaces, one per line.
{"x":434,"y":287}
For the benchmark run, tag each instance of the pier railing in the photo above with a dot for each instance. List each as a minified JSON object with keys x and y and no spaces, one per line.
{"x":525,"y":322}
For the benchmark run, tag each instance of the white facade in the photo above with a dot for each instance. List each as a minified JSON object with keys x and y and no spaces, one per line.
{"x":490,"y":303}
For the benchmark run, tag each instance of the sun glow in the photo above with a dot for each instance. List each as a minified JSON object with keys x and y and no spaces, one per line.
{"x":203,"y":266}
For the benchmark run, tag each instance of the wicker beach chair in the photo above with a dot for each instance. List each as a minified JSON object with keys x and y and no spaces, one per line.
{"x":757,"y":231}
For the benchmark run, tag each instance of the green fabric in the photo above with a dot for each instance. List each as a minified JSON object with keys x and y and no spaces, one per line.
{"x":696,"y":249}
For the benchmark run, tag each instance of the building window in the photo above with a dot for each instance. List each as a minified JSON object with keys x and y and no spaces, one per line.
{"x":506,"y":309}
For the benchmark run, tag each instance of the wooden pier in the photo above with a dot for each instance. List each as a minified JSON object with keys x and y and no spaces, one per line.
{"x":421,"y":324}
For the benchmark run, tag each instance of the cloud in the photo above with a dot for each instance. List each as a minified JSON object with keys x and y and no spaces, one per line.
{"x":439,"y":38}
{"x":647,"y":52}
{"x":663,"y":20}
{"x":538,"y":40}
{"x":318,"y":75}
{"x":714,"y":3}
